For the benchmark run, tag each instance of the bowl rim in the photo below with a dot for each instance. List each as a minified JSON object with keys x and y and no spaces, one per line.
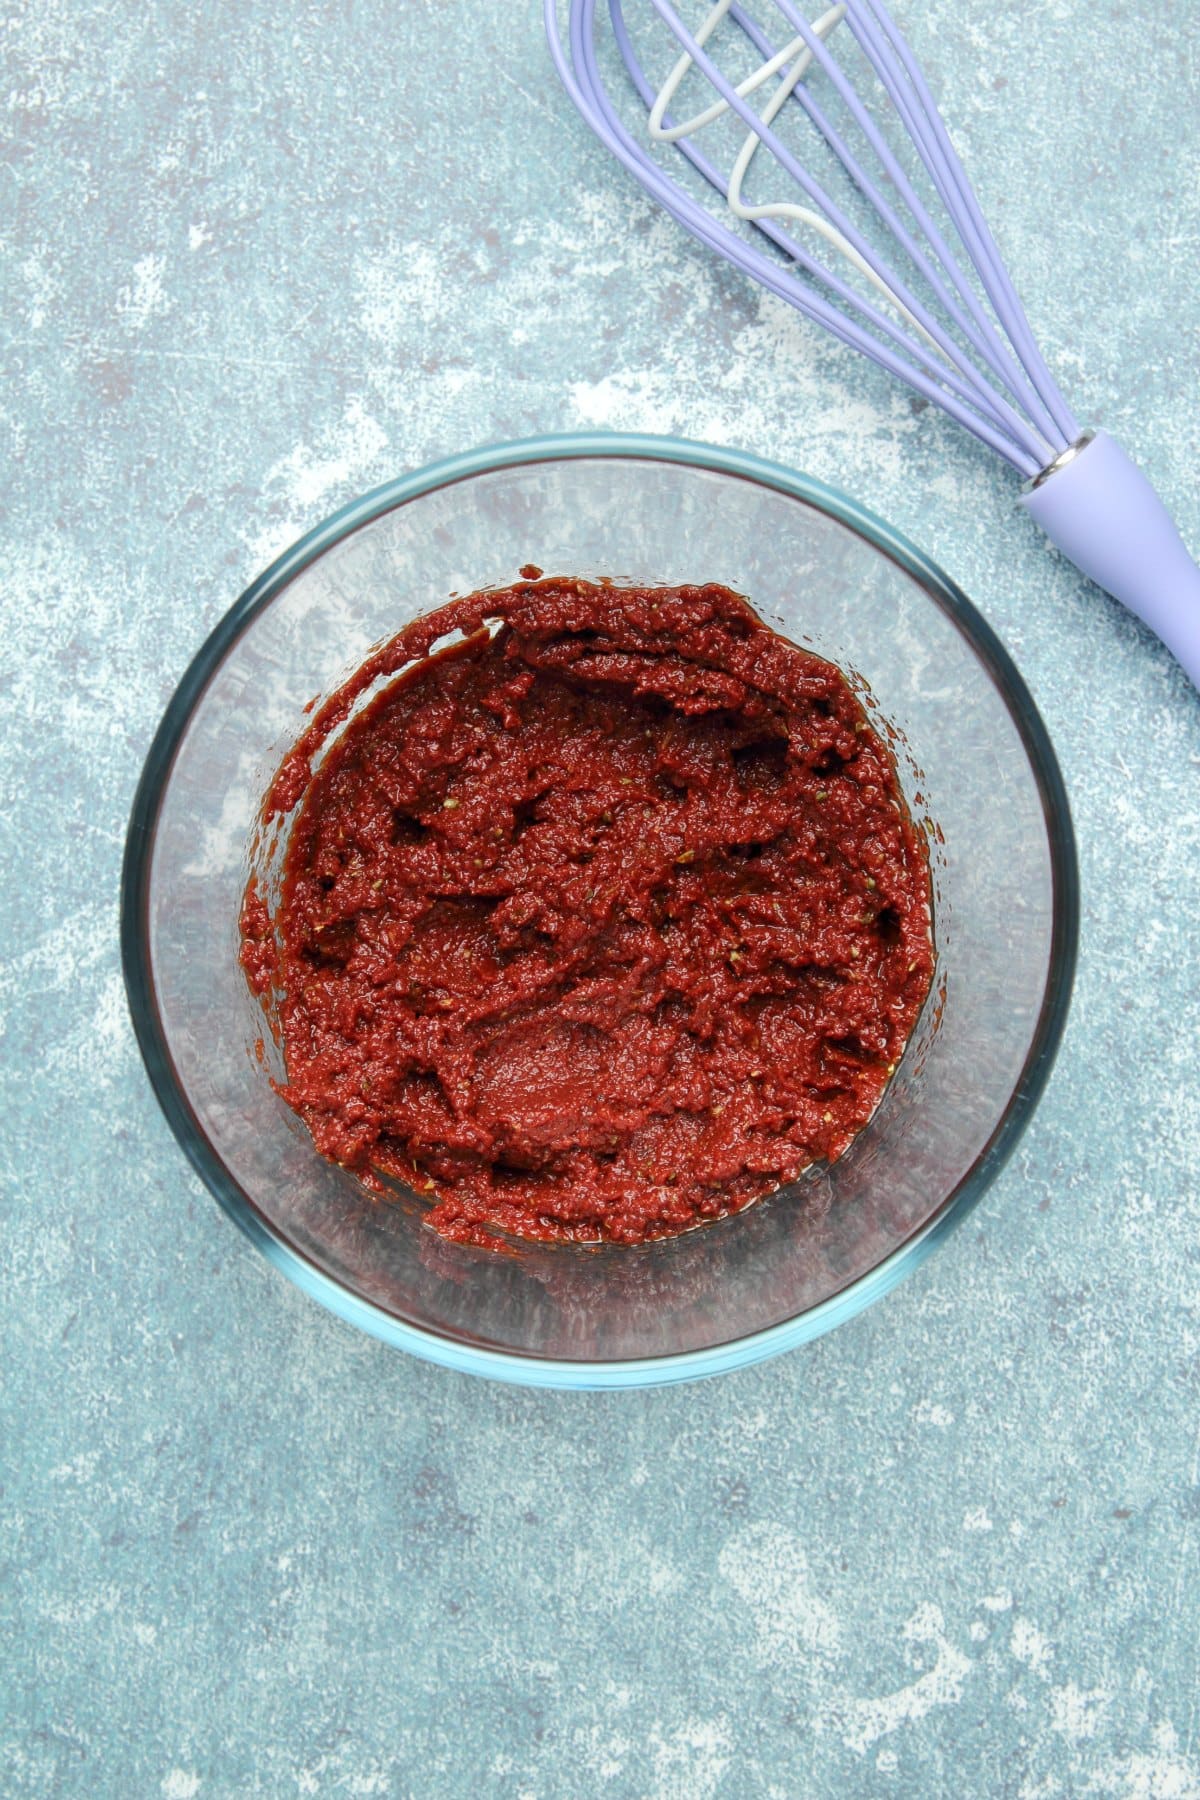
{"x":513,"y":1366}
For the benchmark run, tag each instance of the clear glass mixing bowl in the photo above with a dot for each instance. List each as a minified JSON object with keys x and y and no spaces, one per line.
{"x":975,"y":762}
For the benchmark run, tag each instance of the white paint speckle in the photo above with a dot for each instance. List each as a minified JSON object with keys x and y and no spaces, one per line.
{"x":409,"y":285}
{"x":80,"y":1468}
{"x":649,"y":395}
{"x":143,"y":296}
{"x":311,"y":473}
{"x":180,"y":1784}
{"x":662,"y":1578}
{"x":42,"y":287}
{"x":976,"y":1519}
{"x":96,"y":1045}
{"x":1162,"y":1773}
{"x":1031,"y":1648}
{"x":862,"y":1723}
{"x":690,"y":1759}
{"x":767,"y":1566}
{"x":1077,"y":1712}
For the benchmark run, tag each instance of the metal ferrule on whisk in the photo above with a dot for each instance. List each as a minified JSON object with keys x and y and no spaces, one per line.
{"x":1061,"y":461}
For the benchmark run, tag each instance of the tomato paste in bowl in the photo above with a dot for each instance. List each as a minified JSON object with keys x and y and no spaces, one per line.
{"x":604,"y":920}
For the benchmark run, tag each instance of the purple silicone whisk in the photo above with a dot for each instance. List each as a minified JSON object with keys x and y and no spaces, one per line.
{"x":915,"y":280}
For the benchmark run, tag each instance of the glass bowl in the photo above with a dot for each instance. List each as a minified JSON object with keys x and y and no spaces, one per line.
{"x":976,"y":765}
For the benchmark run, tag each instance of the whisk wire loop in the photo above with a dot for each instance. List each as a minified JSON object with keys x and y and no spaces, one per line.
{"x":971,"y":404}
{"x":800,"y":60}
{"x":820,"y":198}
{"x":850,"y":317}
{"x":1036,"y":431}
{"x":775,"y":63}
{"x":978,"y":329}
{"x":939,"y":352}
{"x":701,"y":222}
{"x":980,"y":336}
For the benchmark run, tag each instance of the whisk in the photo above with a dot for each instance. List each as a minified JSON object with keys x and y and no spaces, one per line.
{"x":898,"y":262}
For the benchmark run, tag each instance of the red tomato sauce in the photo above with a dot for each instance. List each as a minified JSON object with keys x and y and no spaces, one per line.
{"x":604,"y":921}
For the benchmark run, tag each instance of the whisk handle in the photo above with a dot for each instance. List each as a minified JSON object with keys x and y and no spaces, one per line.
{"x":1102,"y":512}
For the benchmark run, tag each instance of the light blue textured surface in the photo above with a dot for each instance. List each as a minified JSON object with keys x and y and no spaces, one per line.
{"x":256,"y":261}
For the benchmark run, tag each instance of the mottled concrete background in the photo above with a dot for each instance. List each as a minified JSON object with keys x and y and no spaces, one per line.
{"x":256,"y":259}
